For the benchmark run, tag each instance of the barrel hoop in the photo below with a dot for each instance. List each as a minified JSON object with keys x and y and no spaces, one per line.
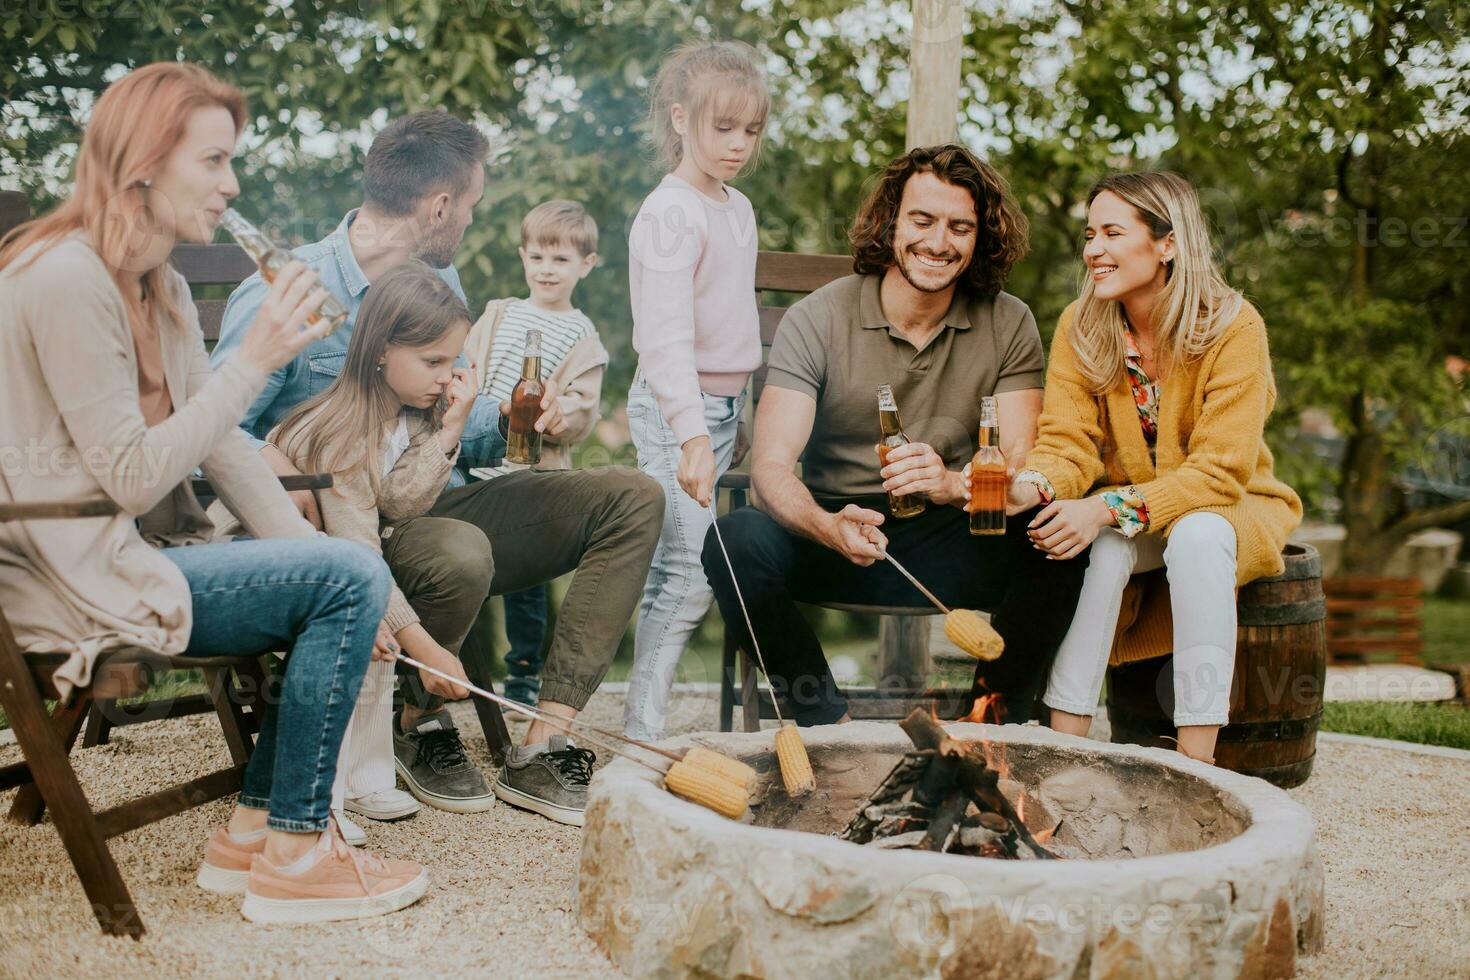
{"x":1281,"y":730}
{"x":1286,"y":776}
{"x":1286,"y":614}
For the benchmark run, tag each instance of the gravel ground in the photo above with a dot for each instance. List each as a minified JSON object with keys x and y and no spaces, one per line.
{"x":1393,"y":828}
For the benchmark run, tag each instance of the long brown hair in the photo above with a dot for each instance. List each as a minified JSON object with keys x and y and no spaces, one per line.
{"x":135,"y":126}
{"x":1193,"y":308}
{"x":1001,"y":239}
{"x":342,"y":428}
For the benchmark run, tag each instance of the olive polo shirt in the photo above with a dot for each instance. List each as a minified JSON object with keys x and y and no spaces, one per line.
{"x":837,"y":346}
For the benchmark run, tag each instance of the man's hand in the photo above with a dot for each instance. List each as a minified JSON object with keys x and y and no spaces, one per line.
{"x":697,"y":469}
{"x":551,"y":422}
{"x":1065,"y":527}
{"x":742,"y":444}
{"x":304,"y":500}
{"x":853,"y":532}
{"x":917,"y":468}
{"x":385,"y":647}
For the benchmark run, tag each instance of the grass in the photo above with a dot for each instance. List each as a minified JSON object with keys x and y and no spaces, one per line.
{"x":1427,"y":724}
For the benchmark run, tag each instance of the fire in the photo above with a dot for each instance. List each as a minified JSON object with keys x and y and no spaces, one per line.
{"x":1021,"y":808}
{"x":1043,"y":836}
{"x":986,"y":709}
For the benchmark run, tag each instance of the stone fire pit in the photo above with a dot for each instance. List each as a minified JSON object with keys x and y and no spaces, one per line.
{"x":1173,"y":869}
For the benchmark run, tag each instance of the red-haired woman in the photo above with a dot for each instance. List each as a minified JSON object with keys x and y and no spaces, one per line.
{"x":109,"y":392}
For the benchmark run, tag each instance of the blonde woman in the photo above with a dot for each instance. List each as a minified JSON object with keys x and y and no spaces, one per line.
{"x":1150,"y":449}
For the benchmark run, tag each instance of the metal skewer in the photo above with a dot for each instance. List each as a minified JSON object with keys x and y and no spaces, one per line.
{"x":552,"y":719}
{"x":905,"y":572}
{"x":750,"y":627}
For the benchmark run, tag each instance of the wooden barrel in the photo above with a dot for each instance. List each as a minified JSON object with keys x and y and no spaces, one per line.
{"x":1276,"y":692}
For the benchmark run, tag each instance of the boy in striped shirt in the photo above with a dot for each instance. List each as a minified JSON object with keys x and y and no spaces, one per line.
{"x":558,"y":250}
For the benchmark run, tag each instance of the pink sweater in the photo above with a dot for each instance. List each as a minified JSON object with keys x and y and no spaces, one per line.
{"x":691,"y":273}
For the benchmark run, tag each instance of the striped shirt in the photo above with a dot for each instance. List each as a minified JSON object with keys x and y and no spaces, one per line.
{"x":560,"y":332}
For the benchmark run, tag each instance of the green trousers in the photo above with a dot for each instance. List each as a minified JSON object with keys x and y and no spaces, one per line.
{"x":526,"y":528}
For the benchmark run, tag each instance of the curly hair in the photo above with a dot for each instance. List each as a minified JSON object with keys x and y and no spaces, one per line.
{"x":1001,"y":240}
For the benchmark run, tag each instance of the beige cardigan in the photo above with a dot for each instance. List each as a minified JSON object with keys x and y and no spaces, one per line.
{"x":71,"y":428}
{"x":350,"y":510}
{"x":578,"y":378}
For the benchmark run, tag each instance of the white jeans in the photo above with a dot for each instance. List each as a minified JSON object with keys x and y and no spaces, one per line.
{"x":365,"y":763}
{"x":677,"y":594}
{"x":1200,"y":563}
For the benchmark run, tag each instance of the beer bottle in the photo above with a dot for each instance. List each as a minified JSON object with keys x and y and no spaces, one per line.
{"x":988,"y":476}
{"x":271,"y":258}
{"x":523,"y":442}
{"x":908,"y":505}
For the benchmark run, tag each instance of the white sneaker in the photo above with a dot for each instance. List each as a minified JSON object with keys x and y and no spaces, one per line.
{"x":351,"y":832}
{"x":385,"y":804}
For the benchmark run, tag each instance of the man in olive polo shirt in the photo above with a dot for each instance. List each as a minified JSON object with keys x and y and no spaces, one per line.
{"x":925,"y":314}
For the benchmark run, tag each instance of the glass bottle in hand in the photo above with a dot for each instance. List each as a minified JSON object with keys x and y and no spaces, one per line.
{"x":522,"y":441}
{"x":988,"y":476}
{"x":270,"y":258}
{"x":891,"y":426}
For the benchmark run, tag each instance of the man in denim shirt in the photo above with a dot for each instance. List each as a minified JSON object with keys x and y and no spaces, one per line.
{"x":423,"y":176}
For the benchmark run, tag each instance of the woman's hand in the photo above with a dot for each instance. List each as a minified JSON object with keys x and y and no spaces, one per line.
{"x":1065,"y":527}
{"x":697,"y":469}
{"x":1022,"y":496}
{"x":280,"y":330}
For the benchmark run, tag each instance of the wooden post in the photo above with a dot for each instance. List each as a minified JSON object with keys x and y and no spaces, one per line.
{"x":934,"y":72}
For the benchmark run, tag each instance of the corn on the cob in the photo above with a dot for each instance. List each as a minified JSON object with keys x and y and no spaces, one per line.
{"x":732,"y":769}
{"x":708,"y":788}
{"x":975,"y":636}
{"x":796,"y":768}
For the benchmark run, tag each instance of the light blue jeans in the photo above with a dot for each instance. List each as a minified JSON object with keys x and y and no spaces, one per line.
{"x":321,"y":599}
{"x":677,"y":595}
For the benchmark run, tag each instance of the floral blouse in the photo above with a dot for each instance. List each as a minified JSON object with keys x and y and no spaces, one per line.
{"x":1129,"y":509}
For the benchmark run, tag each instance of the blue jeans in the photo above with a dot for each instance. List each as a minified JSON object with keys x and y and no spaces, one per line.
{"x":318,"y":598}
{"x":676,"y":595}
{"x":525,"y":628}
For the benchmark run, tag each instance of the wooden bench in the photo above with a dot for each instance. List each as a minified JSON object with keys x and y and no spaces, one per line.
{"x":1374,"y":616}
{"x":904,"y":634}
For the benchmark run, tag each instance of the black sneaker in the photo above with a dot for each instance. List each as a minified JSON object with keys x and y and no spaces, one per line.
{"x":552,"y":783}
{"x":431,"y":759}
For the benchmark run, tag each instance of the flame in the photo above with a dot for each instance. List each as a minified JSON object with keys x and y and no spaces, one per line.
{"x":1045,"y":835}
{"x":986,"y":709}
{"x":1021,"y":808}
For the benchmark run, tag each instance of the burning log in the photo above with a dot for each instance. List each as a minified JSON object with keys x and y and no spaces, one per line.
{"x":943,"y":797}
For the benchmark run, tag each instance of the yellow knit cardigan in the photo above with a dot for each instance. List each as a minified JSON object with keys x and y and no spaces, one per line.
{"x":1211,"y":456}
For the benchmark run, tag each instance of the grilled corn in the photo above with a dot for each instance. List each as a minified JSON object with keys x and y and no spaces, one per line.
{"x":975,"y":636}
{"x":708,"y":788}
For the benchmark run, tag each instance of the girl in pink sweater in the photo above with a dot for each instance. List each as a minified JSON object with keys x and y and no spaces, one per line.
{"x":691,"y":272}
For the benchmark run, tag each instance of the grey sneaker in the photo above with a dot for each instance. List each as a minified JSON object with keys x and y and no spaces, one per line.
{"x":431,"y":760}
{"x":552,"y":783}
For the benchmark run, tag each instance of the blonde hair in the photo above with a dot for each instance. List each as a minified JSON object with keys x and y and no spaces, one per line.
{"x":1195,"y":305}
{"x":342,"y":429}
{"x":558,"y":222}
{"x":710,"y":80}
{"x":134,"y":127}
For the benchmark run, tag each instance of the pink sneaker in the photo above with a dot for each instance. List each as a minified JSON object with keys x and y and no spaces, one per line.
{"x":226,"y":865}
{"x":343,"y":883}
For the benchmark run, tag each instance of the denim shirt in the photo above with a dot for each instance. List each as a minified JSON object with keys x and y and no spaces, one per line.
{"x":318,"y":366}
